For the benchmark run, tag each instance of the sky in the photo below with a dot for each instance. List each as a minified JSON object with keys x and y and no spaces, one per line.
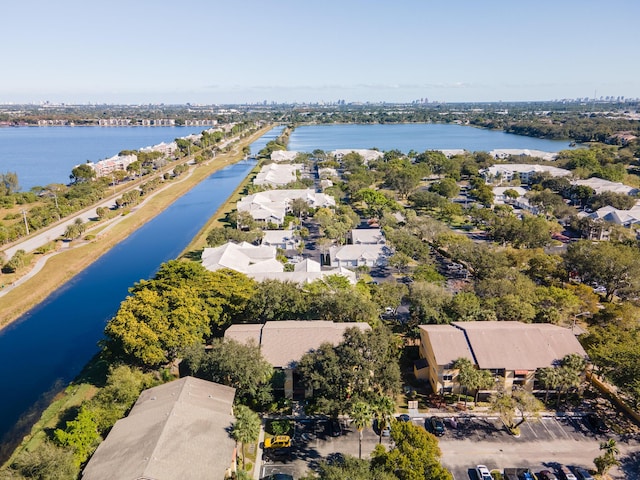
{"x":306,"y":51}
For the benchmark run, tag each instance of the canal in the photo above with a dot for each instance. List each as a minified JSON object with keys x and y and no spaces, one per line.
{"x":47,"y":347}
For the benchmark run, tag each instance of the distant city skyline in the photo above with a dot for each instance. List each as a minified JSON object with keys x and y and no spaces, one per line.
{"x":288,"y":51}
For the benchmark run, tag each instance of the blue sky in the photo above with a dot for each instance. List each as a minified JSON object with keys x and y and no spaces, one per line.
{"x":204,"y":51}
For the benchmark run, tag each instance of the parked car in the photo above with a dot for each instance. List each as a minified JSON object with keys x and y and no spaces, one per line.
{"x":279,"y":441}
{"x":452,"y":422}
{"x":335,"y":429}
{"x":435,"y":425}
{"x":385,"y":430}
{"x":483,"y":473}
{"x":404,"y":418}
{"x":278,"y":476}
{"x":547,"y":475}
{"x":565,"y":473}
{"x":595,"y":423}
{"x":583,"y":474}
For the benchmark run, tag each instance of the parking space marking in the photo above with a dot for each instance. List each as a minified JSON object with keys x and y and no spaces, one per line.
{"x":553,"y":435}
{"x":531,"y":428}
{"x":561,"y":428}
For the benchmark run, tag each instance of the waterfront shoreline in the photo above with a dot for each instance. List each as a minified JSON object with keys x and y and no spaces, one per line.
{"x":63,"y":266}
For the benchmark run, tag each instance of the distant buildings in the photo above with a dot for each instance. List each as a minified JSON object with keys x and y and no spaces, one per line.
{"x":506,"y":172}
{"x":517,"y":152}
{"x":361,"y":255}
{"x":261,"y":263}
{"x":273,"y":205}
{"x":106,"y":167}
{"x":277,"y":174}
{"x":283,"y":156}
{"x":600,"y":185}
{"x":367,"y":155}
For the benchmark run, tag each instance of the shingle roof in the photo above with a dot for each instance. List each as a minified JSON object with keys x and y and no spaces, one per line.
{"x":448,"y":343}
{"x":518,"y":346}
{"x":283,"y":343}
{"x":175,"y":430}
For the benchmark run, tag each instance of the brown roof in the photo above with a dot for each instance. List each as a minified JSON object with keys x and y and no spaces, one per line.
{"x":448,"y":343}
{"x":283,"y":343}
{"x":175,"y":430}
{"x":518,"y":346}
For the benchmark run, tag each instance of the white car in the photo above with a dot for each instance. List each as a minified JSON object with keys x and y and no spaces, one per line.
{"x":483,"y":473}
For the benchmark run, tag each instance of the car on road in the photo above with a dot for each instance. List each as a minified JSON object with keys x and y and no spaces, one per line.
{"x":279,"y":441}
{"x":547,"y":475}
{"x":583,"y":474}
{"x":435,"y":425}
{"x":483,"y":473}
{"x":565,"y":473}
{"x":595,"y":423}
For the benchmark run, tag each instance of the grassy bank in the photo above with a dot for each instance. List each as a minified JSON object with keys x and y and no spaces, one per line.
{"x":64,"y":265}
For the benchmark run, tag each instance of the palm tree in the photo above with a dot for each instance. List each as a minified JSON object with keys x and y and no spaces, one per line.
{"x":483,"y":380}
{"x":465,"y":374}
{"x":549,"y":378}
{"x":608,"y":459}
{"x":246,"y":429}
{"x":383,"y":409}
{"x":361,"y":415}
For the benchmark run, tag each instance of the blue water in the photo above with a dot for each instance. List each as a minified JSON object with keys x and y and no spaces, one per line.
{"x":413,"y":136}
{"x":44,"y":155}
{"x":48,"y":346}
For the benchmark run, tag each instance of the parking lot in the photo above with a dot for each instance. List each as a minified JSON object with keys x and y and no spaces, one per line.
{"x":543,"y":443}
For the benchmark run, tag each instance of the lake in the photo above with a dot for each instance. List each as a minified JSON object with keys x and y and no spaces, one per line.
{"x":44,"y":155}
{"x":413,"y":136}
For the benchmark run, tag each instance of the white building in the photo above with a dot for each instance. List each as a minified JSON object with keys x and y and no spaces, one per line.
{"x":283,"y":156}
{"x":517,"y":152}
{"x":284,"y":239}
{"x":273,"y":205}
{"x":619,"y":217}
{"x":367,"y":155}
{"x":165,"y":148}
{"x":600,"y":185}
{"x":352,"y":256}
{"x":106,"y":167}
{"x":367,"y":236}
{"x":260,"y":263}
{"x":276,"y":174}
{"x":505,"y":172}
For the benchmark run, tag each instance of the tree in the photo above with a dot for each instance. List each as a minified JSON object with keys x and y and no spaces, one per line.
{"x":361,"y":367}
{"x":549,"y":378}
{"x":246,"y":428}
{"x":612,"y":265}
{"x":237,"y":365}
{"x":465,"y":369}
{"x":447,"y":187}
{"x":518,"y":403}
{"x":608,"y":459}
{"x":81,"y":435}
{"x":383,"y":408}
{"x":82,"y":173}
{"x":414,"y":456}
{"x":47,"y":461}
{"x":9,"y":183}
{"x":361,"y":416}
{"x":348,"y":467}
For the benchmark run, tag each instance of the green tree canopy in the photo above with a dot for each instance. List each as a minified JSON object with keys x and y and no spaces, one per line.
{"x":414,"y":456}
{"x":234,"y":364}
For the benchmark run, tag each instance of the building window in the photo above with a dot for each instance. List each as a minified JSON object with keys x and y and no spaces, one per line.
{"x":448,"y":377}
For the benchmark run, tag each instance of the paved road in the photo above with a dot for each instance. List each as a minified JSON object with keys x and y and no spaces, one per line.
{"x":477,"y":440}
